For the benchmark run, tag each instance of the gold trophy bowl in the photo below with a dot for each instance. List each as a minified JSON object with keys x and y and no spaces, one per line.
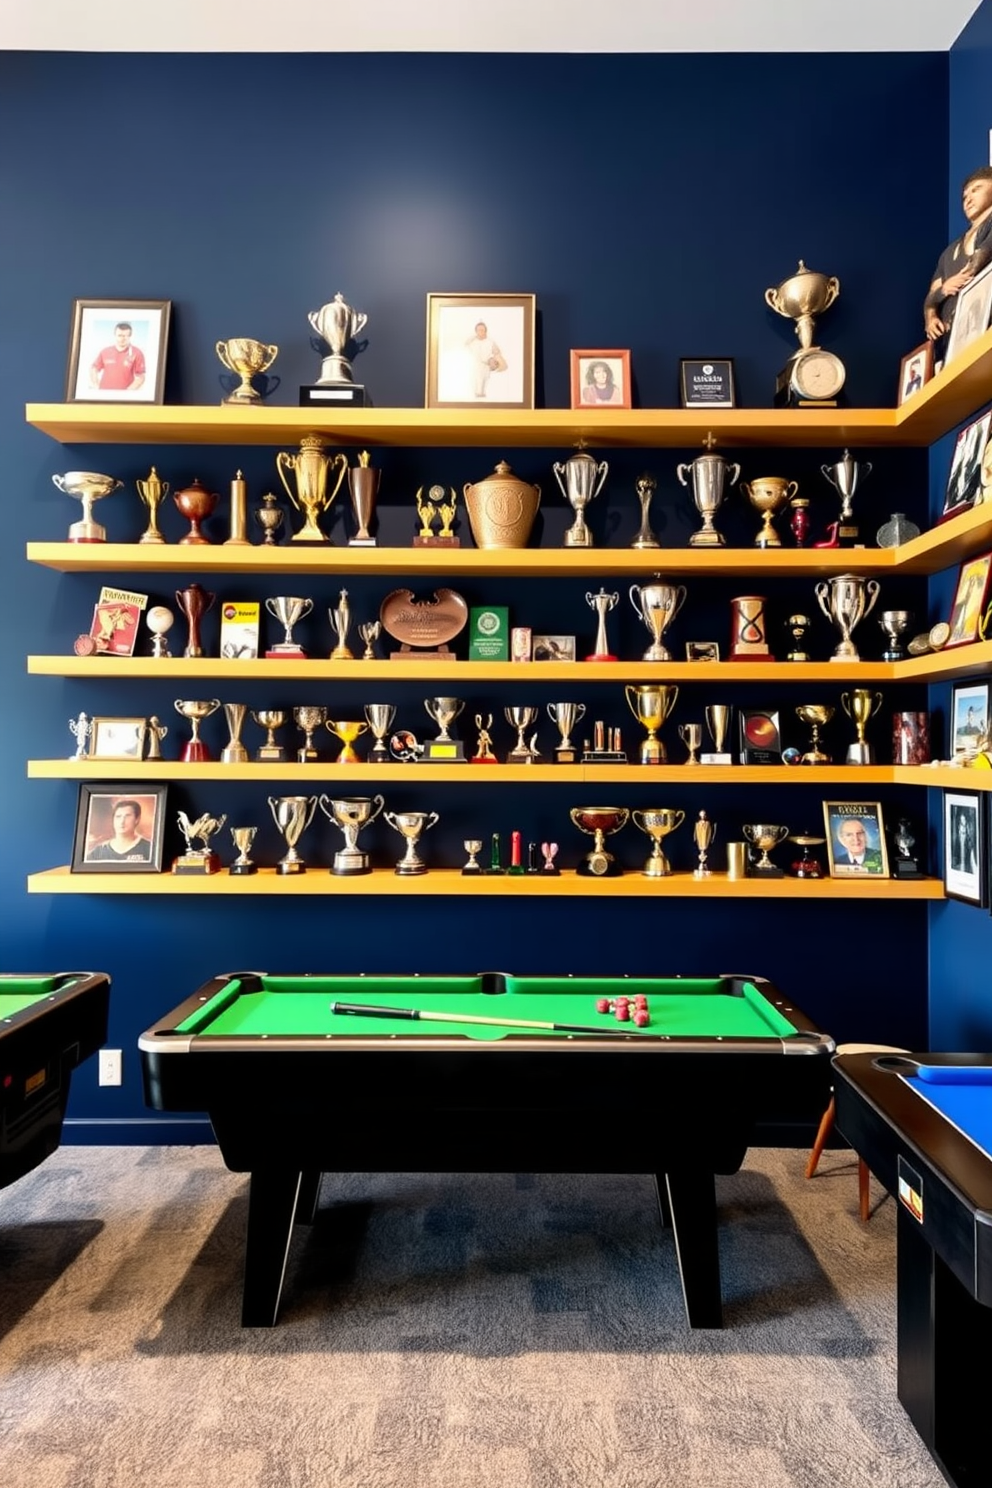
{"x":815,"y":716}
{"x":764,"y":838}
{"x":270,"y":719}
{"x":599,"y":822}
{"x":651,"y":705}
{"x":803,"y":296}
{"x":768,"y":495}
{"x":656,"y":823}
{"x":347,"y":731}
{"x":245,"y":358}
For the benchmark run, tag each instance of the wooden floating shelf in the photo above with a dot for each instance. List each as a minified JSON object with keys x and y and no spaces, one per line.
{"x":448,"y":881}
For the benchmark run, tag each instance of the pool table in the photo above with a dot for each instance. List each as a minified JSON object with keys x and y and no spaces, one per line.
{"x":923,"y":1124}
{"x":295,"y":1088}
{"x":48,"y":1025}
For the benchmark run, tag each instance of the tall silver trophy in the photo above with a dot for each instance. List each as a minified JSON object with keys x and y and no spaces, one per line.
{"x":845,"y":476}
{"x":581,"y":480}
{"x":710,"y":475}
{"x":292,"y":815}
{"x":846,"y":600}
{"x":657,"y":604}
{"x":351,"y":814}
{"x":337,"y":324}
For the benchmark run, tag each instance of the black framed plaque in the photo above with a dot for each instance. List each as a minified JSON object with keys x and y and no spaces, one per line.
{"x":707,"y":382}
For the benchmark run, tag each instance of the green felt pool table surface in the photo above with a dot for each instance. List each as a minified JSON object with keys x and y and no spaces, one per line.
{"x":303,"y":1006}
{"x":20,"y":992}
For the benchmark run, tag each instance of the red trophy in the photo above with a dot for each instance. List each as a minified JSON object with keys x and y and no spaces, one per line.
{"x":194,"y":751}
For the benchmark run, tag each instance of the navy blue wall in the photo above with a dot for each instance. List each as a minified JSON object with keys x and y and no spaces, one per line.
{"x":648,"y":202}
{"x":960,"y":935}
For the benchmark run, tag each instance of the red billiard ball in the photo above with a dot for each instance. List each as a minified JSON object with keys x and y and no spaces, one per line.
{"x":640,"y":1000}
{"x":622,"y":1013}
{"x":642,"y":1018}
{"x":602,"y":1004}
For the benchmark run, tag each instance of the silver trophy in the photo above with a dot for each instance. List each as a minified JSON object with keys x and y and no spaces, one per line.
{"x":80,"y":728}
{"x":351,"y":814}
{"x":338,"y":324}
{"x":411,"y":825}
{"x":308,"y":718}
{"x":380,"y":720}
{"x":657,"y":604}
{"x":288,"y":609}
{"x":521,"y":719}
{"x":581,"y":480}
{"x":845,"y":477}
{"x":234,"y":752}
{"x":710,"y":474}
{"x":444,"y":711}
{"x":566,"y":716}
{"x":87,"y":486}
{"x":243,"y":837}
{"x":894,"y":622}
{"x":292,"y":815}
{"x":602,"y":603}
{"x":851,"y":598}
{"x":370,"y":631}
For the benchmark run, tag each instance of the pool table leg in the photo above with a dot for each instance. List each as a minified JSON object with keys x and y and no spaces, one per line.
{"x":272,"y":1204}
{"x":692,"y":1205}
{"x":306,"y":1204}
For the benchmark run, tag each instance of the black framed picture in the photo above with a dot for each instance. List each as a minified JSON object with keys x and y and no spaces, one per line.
{"x":761,"y":736}
{"x":965,"y":852}
{"x":707,"y":382}
{"x":119,"y":829}
{"x":117,"y":351}
{"x":964,"y":480}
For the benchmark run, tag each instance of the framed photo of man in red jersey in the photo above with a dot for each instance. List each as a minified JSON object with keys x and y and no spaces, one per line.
{"x":117,"y":351}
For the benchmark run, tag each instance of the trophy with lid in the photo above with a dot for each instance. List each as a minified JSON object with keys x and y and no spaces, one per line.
{"x":337,"y":324}
{"x":311,"y":467}
{"x":710,"y":474}
{"x":812,"y":377}
{"x":581,"y":480}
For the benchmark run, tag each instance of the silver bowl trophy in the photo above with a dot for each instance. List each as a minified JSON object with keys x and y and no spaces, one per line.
{"x":444,"y":711}
{"x":86,"y":486}
{"x":566,"y":716}
{"x":657,"y":604}
{"x":710,"y":474}
{"x":351,"y":814}
{"x":521,"y":719}
{"x":337,"y":324}
{"x":581,"y":480}
{"x":893,"y":622}
{"x":243,"y":837}
{"x":246,"y":359}
{"x":270,"y":719}
{"x":292,"y":815}
{"x":851,"y":599}
{"x":845,"y":476}
{"x":764,"y":838}
{"x":411,"y":825}
{"x":198,"y":860}
{"x":288,"y":609}
{"x":812,"y":377}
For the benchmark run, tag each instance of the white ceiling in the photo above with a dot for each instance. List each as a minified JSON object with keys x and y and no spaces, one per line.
{"x":489,"y":26}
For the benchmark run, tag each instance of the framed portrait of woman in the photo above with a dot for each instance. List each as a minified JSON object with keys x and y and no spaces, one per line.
{"x":600,"y":379}
{"x":964,"y":846}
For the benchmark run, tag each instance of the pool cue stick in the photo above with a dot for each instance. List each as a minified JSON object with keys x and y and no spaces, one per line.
{"x":416,"y":1014}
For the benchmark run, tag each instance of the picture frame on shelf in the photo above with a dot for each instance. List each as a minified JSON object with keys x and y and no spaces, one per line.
{"x":964,"y":479}
{"x":117,"y":351}
{"x":117,"y":738}
{"x":702,"y":650}
{"x":969,"y":720}
{"x":965,"y":849}
{"x":553,"y":648}
{"x":119,"y":829}
{"x":760,"y":736}
{"x":971,"y":315}
{"x":707,"y":382}
{"x":600,"y":379}
{"x":856,"y":843}
{"x":915,"y":371}
{"x":969,"y":600}
{"x":480,"y":350}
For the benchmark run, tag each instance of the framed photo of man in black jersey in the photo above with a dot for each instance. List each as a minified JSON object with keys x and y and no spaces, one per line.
{"x":119,"y":829}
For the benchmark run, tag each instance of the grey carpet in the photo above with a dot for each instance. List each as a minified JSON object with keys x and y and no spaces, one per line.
{"x":444,"y":1331}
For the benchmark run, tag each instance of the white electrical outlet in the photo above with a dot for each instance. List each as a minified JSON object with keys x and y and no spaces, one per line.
{"x":109,"y":1066}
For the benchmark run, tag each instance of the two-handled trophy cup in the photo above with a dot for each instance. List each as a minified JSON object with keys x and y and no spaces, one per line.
{"x":811,"y":376}
{"x":656,"y":823}
{"x":846,"y":600}
{"x":657,"y":604}
{"x":566,"y":716}
{"x":351,"y":814}
{"x":243,"y":837}
{"x":599,"y":822}
{"x":444,"y":711}
{"x":336,"y":323}
{"x":411,"y":825}
{"x":288,"y":609}
{"x":710,"y":474}
{"x":311,"y":467}
{"x":246,"y":359}
{"x":580,"y":479}
{"x":651,"y":705}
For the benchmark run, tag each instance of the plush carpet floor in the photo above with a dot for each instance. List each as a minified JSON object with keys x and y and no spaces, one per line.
{"x":444,"y":1331}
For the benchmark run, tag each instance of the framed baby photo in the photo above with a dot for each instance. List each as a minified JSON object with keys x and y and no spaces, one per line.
{"x":119,"y":829}
{"x":915,"y":371}
{"x":855,"y":833}
{"x":600,"y":379}
{"x":117,"y":738}
{"x":117,"y":351}
{"x":969,"y":600}
{"x":480,"y":350}
{"x":964,"y":846}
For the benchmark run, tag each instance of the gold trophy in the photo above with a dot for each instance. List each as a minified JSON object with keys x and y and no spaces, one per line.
{"x":370,"y":631}
{"x":860,"y":704}
{"x":811,"y":375}
{"x":311,"y":467}
{"x":651,"y":705}
{"x":656,"y":823}
{"x":363,"y":483}
{"x":243,"y":837}
{"x":347,"y":731}
{"x":245,"y":358}
{"x":704,"y":834}
{"x":340,"y":618}
{"x":815,"y":716}
{"x":194,"y":751}
{"x":768,"y":495}
{"x":152,"y":492}
{"x":292,"y":815}
{"x":764,"y":838}
{"x":270,"y":719}
{"x":691,"y":735}
{"x":646,"y":486}
{"x":717,"y":717}
{"x":234,"y":752}
{"x":599,"y":822}
{"x":200,"y":860}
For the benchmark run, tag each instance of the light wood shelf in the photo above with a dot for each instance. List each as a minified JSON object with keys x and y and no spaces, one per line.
{"x":448,"y":881}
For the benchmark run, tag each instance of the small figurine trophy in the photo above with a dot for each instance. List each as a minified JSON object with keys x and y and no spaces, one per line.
{"x":646,"y":487}
{"x":704,"y":833}
{"x":80,"y":728}
{"x":198,"y":860}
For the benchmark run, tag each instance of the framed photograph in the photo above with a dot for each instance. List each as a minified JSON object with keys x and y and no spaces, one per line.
{"x":969,"y":600}
{"x":915,"y":370}
{"x":964,"y":480}
{"x":553,"y":648}
{"x":969,"y":717}
{"x":119,"y":829}
{"x":702,"y":650}
{"x":971,"y":318}
{"x":117,"y":351}
{"x":761,"y":738}
{"x":117,"y":738}
{"x":480,"y":350}
{"x":600,"y":379}
{"x":707,"y":382}
{"x":855,"y":835}
{"x":964,"y":846}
